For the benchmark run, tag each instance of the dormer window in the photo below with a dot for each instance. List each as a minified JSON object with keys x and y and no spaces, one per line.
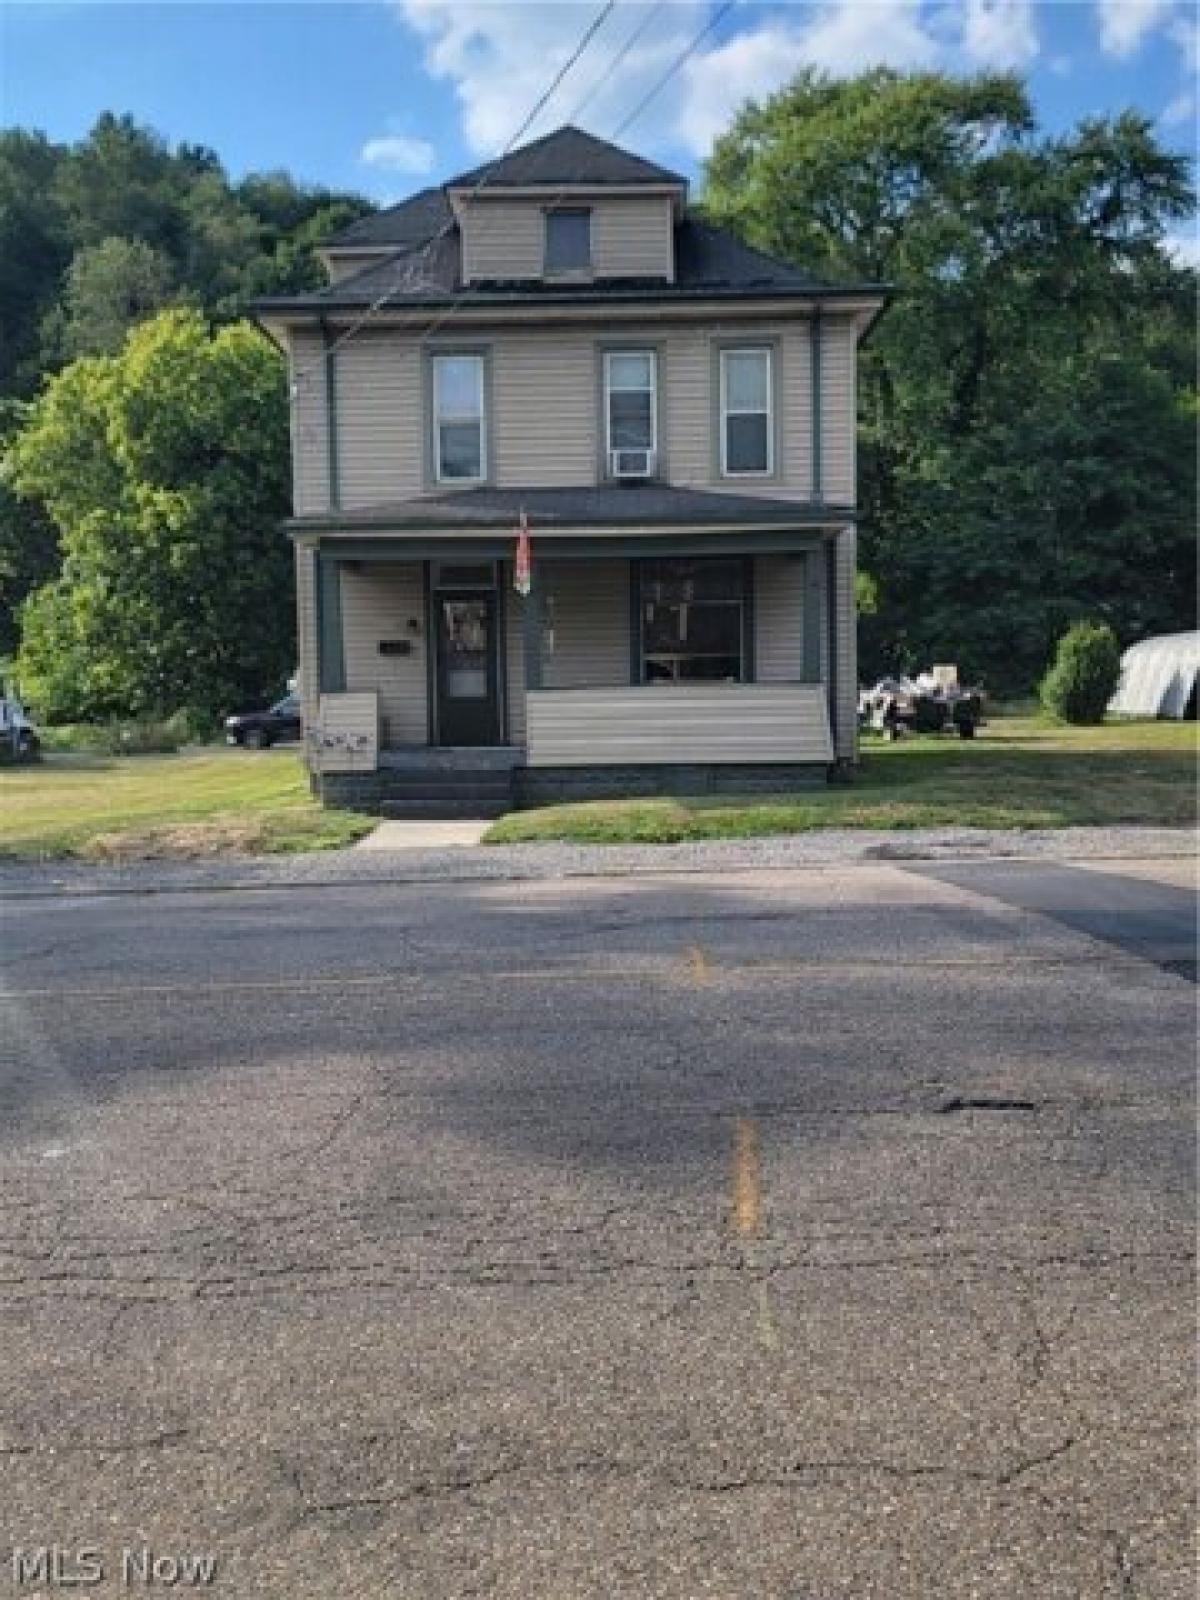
{"x":568,"y":243}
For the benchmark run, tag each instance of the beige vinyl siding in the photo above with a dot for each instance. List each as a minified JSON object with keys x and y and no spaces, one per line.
{"x":588,"y":604}
{"x":502,"y":239}
{"x":381,"y":432}
{"x":838,"y":410}
{"x":697,"y":723}
{"x":545,"y":403}
{"x":693,"y":407}
{"x":350,"y":733}
{"x":378,"y":602}
{"x":779,"y":588}
{"x":633,"y":237}
{"x":310,"y":450}
{"x":846,"y":626}
{"x":514,"y":656}
{"x":306,"y":631}
{"x":545,"y":410}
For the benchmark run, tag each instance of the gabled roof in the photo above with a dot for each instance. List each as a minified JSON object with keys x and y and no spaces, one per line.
{"x":424,"y":251}
{"x":709,"y":263}
{"x":567,"y":156}
{"x":398,"y":227}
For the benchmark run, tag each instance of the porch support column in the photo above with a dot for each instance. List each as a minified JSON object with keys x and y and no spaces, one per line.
{"x":810,"y":633}
{"x":532,"y":626}
{"x":331,"y":653}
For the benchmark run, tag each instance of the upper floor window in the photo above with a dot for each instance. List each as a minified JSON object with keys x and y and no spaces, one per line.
{"x":459,"y":445}
{"x":568,"y":241}
{"x":747,"y":432}
{"x":630,"y":405}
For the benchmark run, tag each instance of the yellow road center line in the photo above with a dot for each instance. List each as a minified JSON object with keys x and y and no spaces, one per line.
{"x":928,"y":965}
{"x":747,"y":1191}
{"x":699,"y":964}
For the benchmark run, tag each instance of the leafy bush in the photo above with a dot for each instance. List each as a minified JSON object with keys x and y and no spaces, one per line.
{"x":1086,"y":667}
{"x":131,"y":737}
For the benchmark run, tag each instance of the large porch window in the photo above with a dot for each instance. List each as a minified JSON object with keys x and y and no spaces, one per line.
{"x":693,"y":621}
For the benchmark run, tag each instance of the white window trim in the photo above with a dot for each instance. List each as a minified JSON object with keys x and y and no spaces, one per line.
{"x":609,"y":356}
{"x":437,"y":417}
{"x":766,"y":351}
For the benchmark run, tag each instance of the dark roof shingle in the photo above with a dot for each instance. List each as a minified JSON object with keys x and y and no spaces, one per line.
{"x":566,"y":156}
{"x":585,"y":506}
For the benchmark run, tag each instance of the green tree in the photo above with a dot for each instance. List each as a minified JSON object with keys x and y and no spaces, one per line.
{"x":28,"y":538}
{"x":110,"y":286}
{"x":1023,"y":454}
{"x":164,"y":470}
{"x":35,"y":247}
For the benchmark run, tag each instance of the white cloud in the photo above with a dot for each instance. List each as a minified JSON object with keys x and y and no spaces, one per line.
{"x":398,"y":152}
{"x":1184,"y":247}
{"x":1125,"y":23}
{"x":1179,"y":111}
{"x":1000,"y":34}
{"x":840,"y":39}
{"x":499,"y":60}
{"x":1185,"y":31}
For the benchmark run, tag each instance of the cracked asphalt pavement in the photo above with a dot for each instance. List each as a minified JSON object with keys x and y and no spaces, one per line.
{"x":797,"y":1235}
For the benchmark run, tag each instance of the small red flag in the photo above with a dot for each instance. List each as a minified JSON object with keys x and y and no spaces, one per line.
{"x":522,"y":567}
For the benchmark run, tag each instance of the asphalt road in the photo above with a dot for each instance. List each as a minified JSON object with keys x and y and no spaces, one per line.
{"x":784,"y":1235}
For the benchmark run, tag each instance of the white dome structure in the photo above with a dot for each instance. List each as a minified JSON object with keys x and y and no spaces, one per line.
{"x":1158,"y":677}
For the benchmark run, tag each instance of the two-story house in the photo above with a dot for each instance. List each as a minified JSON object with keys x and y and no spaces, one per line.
{"x":552,"y":340}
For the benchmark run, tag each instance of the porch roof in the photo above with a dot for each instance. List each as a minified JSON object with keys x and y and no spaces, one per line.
{"x":658,"y":506}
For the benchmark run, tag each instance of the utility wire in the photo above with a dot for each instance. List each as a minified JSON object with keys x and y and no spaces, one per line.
{"x":377,"y":305}
{"x":652,"y":93}
{"x":626,"y":122}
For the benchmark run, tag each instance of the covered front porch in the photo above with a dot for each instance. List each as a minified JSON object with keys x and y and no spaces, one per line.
{"x":654,"y":659}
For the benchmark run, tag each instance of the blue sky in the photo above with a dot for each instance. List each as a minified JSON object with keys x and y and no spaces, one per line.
{"x":384,"y":98}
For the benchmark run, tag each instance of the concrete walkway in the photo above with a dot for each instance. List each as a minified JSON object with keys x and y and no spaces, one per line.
{"x":423,"y":835}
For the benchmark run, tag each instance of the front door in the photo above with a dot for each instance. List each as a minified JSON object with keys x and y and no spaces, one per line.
{"x":468,"y":703}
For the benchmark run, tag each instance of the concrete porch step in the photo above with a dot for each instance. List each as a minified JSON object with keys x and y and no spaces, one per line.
{"x":436,"y":810}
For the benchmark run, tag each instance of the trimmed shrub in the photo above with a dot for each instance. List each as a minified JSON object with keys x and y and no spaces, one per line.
{"x":1084,"y":675}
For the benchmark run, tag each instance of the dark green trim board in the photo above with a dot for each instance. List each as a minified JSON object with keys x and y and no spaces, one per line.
{"x":499,"y":547}
{"x":430,"y":654}
{"x":815,"y":335}
{"x":500,"y":590}
{"x":810,"y":636}
{"x":331,"y":652}
{"x":329,"y":346}
{"x":635,"y":623}
{"x":531,"y":620}
{"x":749,"y":625}
{"x":831,"y":600}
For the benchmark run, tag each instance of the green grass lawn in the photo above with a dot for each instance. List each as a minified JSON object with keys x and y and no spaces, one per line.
{"x":198,"y":803}
{"x":1019,"y":772}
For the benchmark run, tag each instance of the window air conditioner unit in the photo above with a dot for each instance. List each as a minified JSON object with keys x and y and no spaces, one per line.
{"x":630,"y":465}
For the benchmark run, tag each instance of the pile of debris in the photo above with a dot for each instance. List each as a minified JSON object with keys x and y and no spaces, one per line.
{"x":932,"y":702}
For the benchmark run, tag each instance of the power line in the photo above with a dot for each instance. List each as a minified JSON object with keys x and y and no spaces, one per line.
{"x":377,"y":305}
{"x":689,"y":50}
{"x":651,"y":94}
{"x":660,"y":84}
